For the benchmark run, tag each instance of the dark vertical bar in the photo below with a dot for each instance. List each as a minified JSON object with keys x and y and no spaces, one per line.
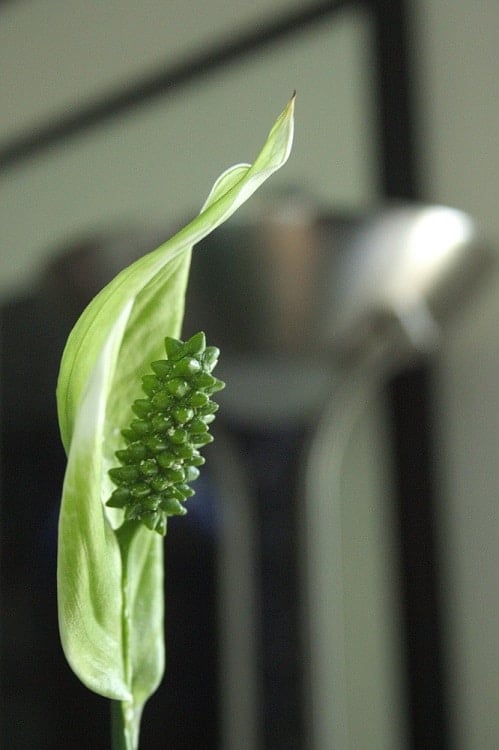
{"x":410,"y":404}
{"x":394,"y":103}
{"x":410,"y":396}
{"x":272,"y":455}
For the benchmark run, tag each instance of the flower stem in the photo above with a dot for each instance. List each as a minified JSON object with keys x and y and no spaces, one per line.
{"x":118,"y":730}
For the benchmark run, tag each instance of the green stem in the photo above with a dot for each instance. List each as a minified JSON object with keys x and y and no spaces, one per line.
{"x":118,"y":731}
{"x":124,"y":724}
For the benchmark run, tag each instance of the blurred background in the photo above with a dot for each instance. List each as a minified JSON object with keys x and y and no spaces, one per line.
{"x":334,"y":585}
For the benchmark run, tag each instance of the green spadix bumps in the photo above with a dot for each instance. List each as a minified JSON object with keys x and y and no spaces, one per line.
{"x":162,"y":454}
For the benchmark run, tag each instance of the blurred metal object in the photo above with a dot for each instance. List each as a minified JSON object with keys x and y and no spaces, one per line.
{"x":313,"y":313}
{"x":410,"y":264}
{"x":292,"y":294}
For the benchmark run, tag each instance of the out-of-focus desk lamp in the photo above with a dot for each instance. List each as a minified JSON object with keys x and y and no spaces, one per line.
{"x":313,"y":314}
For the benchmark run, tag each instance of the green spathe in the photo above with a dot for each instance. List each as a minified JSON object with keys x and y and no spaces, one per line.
{"x":110,"y":587}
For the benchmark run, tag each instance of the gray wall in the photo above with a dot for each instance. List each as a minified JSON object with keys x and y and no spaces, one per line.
{"x":158,"y":163}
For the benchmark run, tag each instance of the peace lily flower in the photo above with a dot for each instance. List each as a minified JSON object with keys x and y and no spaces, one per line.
{"x":110,"y":571}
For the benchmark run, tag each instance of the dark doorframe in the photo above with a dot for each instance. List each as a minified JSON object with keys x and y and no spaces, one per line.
{"x":410,"y":400}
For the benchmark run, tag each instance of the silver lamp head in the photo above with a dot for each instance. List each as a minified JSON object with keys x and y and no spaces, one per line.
{"x":292,"y":295}
{"x":406,"y":267}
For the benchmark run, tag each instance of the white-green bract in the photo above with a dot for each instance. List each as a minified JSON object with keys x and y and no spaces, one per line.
{"x":110,"y":573}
